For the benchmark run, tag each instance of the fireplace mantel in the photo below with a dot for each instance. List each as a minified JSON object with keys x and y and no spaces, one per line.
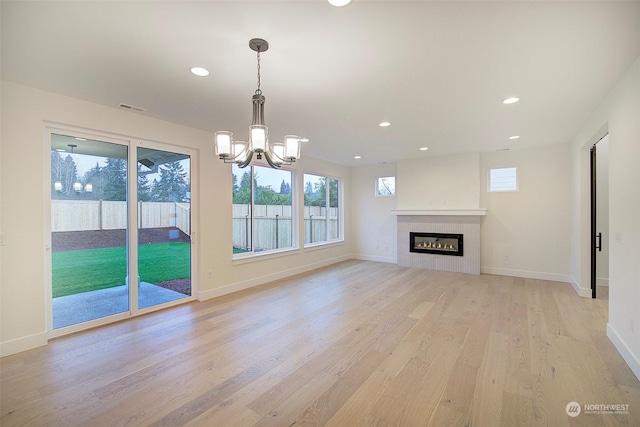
{"x":440,"y":212}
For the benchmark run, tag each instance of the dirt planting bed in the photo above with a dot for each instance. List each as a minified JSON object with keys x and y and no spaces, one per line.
{"x":93,"y":239}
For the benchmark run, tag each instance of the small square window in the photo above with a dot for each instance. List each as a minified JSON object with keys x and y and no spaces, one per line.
{"x":503,"y":179}
{"x":386,"y":186}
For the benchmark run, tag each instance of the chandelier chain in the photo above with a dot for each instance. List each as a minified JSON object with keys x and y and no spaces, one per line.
{"x":258,"y":91}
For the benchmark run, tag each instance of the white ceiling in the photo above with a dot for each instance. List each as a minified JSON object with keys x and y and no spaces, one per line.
{"x":437,"y":71}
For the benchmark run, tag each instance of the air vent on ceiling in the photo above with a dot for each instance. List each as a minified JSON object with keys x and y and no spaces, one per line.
{"x":131,"y":108}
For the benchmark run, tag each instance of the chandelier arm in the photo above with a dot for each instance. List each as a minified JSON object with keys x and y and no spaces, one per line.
{"x":228,"y":159}
{"x":247,"y":160}
{"x":271,"y":162}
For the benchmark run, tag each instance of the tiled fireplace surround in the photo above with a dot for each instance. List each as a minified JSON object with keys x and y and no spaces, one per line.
{"x":465,"y":221}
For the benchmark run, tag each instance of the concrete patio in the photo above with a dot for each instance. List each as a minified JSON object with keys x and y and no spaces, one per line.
{"x":72,"y":309}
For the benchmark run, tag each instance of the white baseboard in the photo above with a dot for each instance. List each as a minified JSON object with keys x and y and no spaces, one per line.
{"x":628,"y":356}
{"x":526,"y":274}
{"x":602,"y":281}
{"x":583,"y":292}
{"x":555,"y":277}
{"x":21,"y":344}
{"x":257,"y":281}
{"x":375,"y":258}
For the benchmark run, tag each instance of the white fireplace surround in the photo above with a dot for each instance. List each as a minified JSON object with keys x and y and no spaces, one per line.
{"x":450,"y":221}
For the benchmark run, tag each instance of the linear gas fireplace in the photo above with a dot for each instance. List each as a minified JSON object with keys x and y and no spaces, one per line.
{"x":436,"y":243}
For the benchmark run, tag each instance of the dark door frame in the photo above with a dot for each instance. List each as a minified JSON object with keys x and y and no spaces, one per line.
{"x":592,"y":172}
{"x":596,"y":238}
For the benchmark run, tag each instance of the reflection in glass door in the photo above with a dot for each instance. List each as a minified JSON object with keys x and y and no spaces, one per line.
{"x":164,"y":226}
{"x":88,"y":230}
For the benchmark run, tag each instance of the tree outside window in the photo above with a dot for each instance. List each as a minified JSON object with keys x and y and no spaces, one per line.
{"x":386,"y":186}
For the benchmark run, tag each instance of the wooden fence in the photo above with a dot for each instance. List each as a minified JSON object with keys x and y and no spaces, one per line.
{"x":273,"y":226}
{"x":79,"y":215}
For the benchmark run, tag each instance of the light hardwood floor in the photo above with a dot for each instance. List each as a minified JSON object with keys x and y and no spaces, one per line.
{"x":355,"y":344}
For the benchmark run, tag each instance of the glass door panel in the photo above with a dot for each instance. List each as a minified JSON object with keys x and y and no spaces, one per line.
{"x":164,"y":226}
{"x":88,"y":229}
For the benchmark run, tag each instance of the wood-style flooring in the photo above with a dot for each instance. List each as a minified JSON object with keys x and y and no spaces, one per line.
{"x":354,"y":344}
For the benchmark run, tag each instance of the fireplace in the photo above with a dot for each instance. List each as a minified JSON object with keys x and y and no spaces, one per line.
{"x":465,"y":222}
{"x":436,"y":243}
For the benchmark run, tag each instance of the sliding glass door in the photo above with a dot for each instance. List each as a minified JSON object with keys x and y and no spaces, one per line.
{"x":164,"y":226}
{"x":88,"y":230}
{"x":120,"y":230}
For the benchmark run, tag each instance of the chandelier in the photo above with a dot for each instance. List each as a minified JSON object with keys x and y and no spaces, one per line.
{"x":241,"y":153}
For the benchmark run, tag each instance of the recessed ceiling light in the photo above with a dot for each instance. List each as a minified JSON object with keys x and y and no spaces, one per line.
{"x":199,"y":71}
{"x":80,"y":139}
{"x":514,"y":137}
{"x":424,"y":148}
{"x":512,"y":100}
{"x":357,"y":157}
{"x":384,"y":124}
{"x":61,"y":150}
{"x":304,"y":139}
{"x":339,"y":3}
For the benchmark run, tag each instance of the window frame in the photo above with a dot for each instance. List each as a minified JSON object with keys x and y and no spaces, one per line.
{"x":252,"y":253}
{"x":340,"y":211}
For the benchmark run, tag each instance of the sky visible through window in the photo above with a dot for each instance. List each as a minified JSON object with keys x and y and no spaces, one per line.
{"x":85,"y":162}
{"x":503,"y":179}
{"x":268,"y":177}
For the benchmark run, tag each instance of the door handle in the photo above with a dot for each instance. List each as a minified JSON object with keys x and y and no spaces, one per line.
{"x":599,"y":245}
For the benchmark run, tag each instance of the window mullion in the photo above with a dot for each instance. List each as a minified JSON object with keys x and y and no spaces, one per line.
{"x":327,"y":203}
{"x":252,"y":208}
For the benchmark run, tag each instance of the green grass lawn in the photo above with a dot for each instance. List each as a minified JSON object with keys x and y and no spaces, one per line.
{"x":87,"y":270}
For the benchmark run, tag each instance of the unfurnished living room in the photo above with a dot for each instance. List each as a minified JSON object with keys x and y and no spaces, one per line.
{"x":319,"y":212}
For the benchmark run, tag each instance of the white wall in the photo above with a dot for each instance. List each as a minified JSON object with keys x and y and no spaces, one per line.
{"x":526,"y":233}
{"x":372,"y":224}
{"x":531,"y":226}
{"x":444,"y":182}
{"x":25,"y":195}
{"x":619,"y":114}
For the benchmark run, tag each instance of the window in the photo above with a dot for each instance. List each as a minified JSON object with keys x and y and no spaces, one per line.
{"x":321,"y":209}
{"x":262,"y":209}
{"x":386,"y":186}
{"x":503,"y":179}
